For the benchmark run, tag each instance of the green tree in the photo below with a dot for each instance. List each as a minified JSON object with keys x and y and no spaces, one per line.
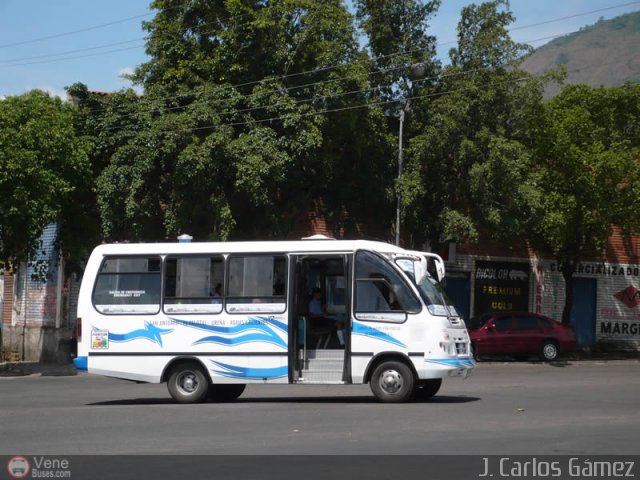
{"x":44,"y":172}
{"x":586,"y":175}
{"x":398,"y":39}
{"x":467,"y":167}
{"x":230,"y":139}
{"x":404,"y":65}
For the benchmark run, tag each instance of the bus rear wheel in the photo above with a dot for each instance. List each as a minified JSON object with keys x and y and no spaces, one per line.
{"x":188,"y":383}
{"x":392,"y":382}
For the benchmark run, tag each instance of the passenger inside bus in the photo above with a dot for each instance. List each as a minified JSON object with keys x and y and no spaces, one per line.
{"x":318,"y":313}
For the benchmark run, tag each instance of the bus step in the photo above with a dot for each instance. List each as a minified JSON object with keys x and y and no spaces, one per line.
{"x":321,"y":376}
{"x":325,"y":354}
{"x":322,"y":364}
{"x":304,"y":380}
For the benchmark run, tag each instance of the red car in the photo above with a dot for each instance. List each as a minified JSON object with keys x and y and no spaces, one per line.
{"x":520,"y":333}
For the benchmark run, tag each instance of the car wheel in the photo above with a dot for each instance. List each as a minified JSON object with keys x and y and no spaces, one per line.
{"x":225,"y":393}
{"x":188,"y":383}
{"x":426,"y":389}
{"x":392,"y":382}
{"x":549,"y":351}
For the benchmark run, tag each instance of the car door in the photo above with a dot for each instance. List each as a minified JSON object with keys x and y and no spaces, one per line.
{"x":497,"y":337}
{"x":526,"y":333}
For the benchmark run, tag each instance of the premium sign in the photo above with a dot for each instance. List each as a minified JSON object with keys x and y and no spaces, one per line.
{"x":501,"y":286}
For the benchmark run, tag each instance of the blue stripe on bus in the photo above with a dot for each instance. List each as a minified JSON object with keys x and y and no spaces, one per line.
{"x":236,"y":371}
{"x":452,"y":362}
{"x":262,"y":332}
{"x":358,"y":328}
{"x":150,"y":332}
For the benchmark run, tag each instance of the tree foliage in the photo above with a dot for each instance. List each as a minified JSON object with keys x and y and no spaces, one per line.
{"x":468,"y":164}
{"x":586,"y":175}
{"x":44,"y":172}
{"x":398,"y":39}
{"x":231,"y":139}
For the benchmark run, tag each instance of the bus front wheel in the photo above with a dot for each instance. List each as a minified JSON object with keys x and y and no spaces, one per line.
{"x":426,"y":389}
{"x":392,"y":382}
{"x":188,"y":383}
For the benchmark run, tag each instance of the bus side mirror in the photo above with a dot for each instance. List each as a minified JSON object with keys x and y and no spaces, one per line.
{"x":437,"y":268}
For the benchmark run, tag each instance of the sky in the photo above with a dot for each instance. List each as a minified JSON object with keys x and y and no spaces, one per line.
{"x":51,"y":44}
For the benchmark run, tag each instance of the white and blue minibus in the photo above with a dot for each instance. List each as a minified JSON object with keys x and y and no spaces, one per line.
{"x":210,"y":318}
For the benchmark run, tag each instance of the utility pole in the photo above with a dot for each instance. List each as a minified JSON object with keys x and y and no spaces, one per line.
{"x":399,"y":196}
{"x":417,"y":71}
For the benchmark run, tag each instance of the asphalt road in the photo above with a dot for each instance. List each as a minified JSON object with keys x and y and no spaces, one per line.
{"x":585,"y":408}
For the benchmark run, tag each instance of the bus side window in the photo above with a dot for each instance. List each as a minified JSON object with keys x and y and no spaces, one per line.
{"x":128,"y":284}
{"x":257,"y":283}
{"x":193,"y":284}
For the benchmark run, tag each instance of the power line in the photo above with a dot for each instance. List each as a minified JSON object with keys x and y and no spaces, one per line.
{"x":307,"y":85}
{"x":18,"y":62}
{"x":239,"y":85}
{"x":257,"y":94}
{"x":145,"y":37}
{"x":323,"y":97}
{"x":350,"y":107}
{"x":74,"y":32}
{"x":74,"y":57}
{"x":438,"y":44}
{"x":97,"y":47}
{"x":333,"y":110}
{"x":100,"y":26}
{"x":559,"y":19}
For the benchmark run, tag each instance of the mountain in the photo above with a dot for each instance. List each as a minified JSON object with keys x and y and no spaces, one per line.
{"x":606,"y":53}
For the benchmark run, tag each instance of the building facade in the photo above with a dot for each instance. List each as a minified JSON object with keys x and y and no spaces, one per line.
{"x":38,"y":306}
{"x":606,"y":291}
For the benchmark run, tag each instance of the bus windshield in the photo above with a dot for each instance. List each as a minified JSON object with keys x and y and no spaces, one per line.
{"x":429,"y":288}
{"x":435,"y":297}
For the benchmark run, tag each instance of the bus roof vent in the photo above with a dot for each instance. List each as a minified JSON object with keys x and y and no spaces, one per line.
{"x":318,"y":237}
{"x":185,"y":238}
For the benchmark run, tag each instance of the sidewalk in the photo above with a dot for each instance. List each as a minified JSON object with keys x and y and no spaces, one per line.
{"x":564,"y":358}
{"x":21,"y":369}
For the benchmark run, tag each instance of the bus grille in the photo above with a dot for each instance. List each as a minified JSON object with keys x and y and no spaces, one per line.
{"x":461,"y":348}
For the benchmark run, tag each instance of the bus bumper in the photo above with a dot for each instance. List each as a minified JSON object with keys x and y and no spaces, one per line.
{"x":81,"y":363}
{"x":449,"y":367}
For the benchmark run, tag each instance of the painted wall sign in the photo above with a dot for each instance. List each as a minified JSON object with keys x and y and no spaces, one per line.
{"x":603,"y":269}
{"x":630,"y":296}
{"x":501,"y":286}
{"x":624,"y":329}
{"x":626,"y":322}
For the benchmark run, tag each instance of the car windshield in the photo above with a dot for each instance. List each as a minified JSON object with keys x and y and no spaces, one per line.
{"x":435,"y":297}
